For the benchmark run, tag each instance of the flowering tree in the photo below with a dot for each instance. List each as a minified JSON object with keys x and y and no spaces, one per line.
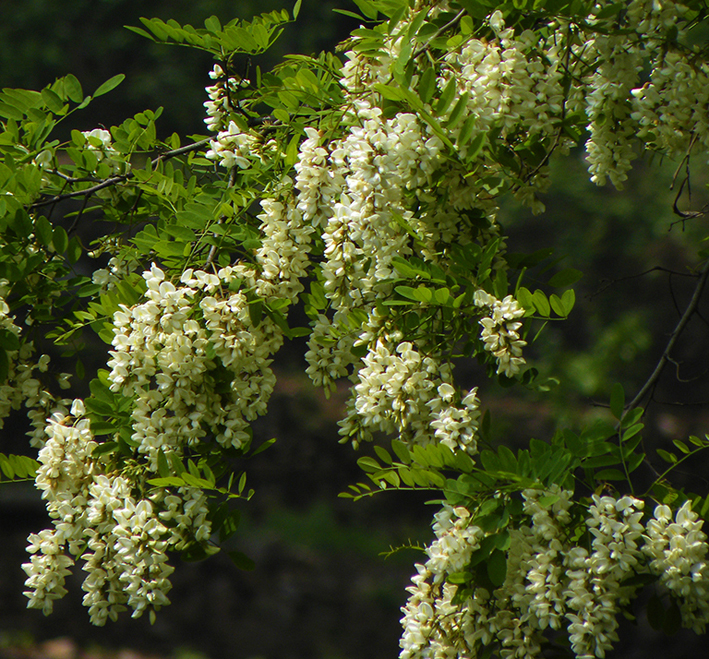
{"x":366,"y":193}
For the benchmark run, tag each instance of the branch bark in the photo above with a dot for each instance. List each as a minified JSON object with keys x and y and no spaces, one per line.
{"x":665,"y":358}
{"x":118,"y":179}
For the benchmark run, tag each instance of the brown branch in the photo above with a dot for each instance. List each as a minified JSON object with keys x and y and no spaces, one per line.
{"x":657,"y":268}
{"x":75,"y":223}
{"x":439,"y":32}
{"x":665,"y":358}
{"x":166,"y":155}
{"x":230,"y":184}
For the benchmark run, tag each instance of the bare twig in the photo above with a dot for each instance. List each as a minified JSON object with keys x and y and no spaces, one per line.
{"x":657,"y":268}
{"x":438,"y":33}
{"x":213,"y":248}
{"x":79,"y":193}
{"x":166,"y":155}
{"x":75,"y":223}
{"x":665,"y":358}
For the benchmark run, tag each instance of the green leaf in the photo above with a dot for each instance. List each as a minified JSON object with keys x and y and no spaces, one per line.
{"x":4,"y":365}
{"x":680,"y":445}
{"x":401,"y":450}
{"x":351,"y":14}
{"x":383,"y":455}
{"x":632,"y":431}
{"x":267,"y":444}
{"x":610,"y":475}
{"x":459,"y":578}
{"x":632,"y":417}
{"x":53,"y":100}
{"x":110,"y":84}
{"x":617,"y":400}
{"x":296,"y":9}
{"x":73,"y":251}
{"x":457,"y":112}
{"x":466,"y":132}
{"x":241,"y":560}
{"x":6,"y":467}
{"x":140,"y":31}
{"x":655,"y":612}
{"x":73,"y":88}
{"x":368,"y":464}
{"x":565,"y":277}
{"x":163,"y":465}
{"x":497,"y":567}
{"x":568,"y":300}
{"x":427,"y":84}
{"x":212,"y":24}
{"x":167,"y":481}
{"x":60,"y":239}
{"x":557,"y":305}
{"x":102,"y":428}
{"x":368,"y":8}
{"x":667,"y":456}
{"x":446,"y":97}
{"x":541,"y":303}
{"x":634,"y":462}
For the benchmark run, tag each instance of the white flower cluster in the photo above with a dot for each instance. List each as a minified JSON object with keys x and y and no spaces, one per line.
{"x":672,"y":100}
{"x":516,"y":83}
{"x":100,"y":144}
{"x":677,"y":552}
{"x":594,"y":592}
{"x":107,"y":278}
{"x":512,"y":81}
{"x":121,"y":538}
{"x":219,"y":103}
{"x":22,"y":385}
{"x":500,"y":332}
{"x":329,"y":354}
{"x":430,"y":619}
{"x":234,"y":148}
{"x":399,"y":390}
{"x":665,"y":108}
{"x":193,"y":361}
{"x":284,"y":255}
{"x":610,"y":145}
{"x":550,"y":582}
{"x":372,"y":167}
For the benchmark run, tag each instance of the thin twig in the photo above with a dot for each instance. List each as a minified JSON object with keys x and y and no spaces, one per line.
{"x":213,"y":248}
{"x":79,"y":193}
{"x":562,"y":118}
{"x":665,"y":358}
{"x":166,"y":155}
{"x":438,"y":33}
{"x":657,"y":268}
{"x":79,"y":214}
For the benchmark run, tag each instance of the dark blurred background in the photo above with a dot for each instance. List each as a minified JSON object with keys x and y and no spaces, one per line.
{"x":320,"y":589}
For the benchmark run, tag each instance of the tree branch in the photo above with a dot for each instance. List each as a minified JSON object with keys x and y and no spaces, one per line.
{"x":665,"y":358}
{"x":439,"y":32}
{"x":607,"y":283}
{"x":166,"y":155}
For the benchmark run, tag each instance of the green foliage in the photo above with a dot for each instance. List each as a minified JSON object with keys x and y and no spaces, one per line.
{"x":17,"y":468}
{"x":196,"y":217}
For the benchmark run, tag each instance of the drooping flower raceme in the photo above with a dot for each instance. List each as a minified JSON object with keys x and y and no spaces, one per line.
{"x":100,"y":144}
{"x":500,"y":332}
{"x":98,"y":517}
{"x":194,"y":362}
{"x":550,"y":582}
{"x":390,"y":217}
{"x":676,"y":548}
{"x":24,"y":385}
